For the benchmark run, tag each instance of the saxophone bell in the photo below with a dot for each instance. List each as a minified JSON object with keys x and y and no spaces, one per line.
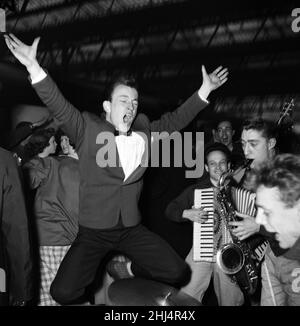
{"x":234,"y":258}
{"x":230,"y":258}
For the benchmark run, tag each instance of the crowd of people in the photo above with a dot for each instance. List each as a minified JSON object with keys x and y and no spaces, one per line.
{"x":78,"y":203}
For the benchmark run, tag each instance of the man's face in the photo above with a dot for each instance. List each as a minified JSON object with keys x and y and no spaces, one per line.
{"x":52,"y":145}
{"x":277,"y":217}
{"x":122,"y":108}
{"x":216,"y":165}
{"x":65,"y":144}
{"x":256,"y":147}
{"x":225,"y":133}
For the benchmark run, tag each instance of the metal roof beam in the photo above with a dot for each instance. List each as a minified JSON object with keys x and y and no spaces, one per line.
{"x":190,"y":13}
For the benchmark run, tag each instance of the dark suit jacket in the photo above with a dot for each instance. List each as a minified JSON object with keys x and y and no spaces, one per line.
{"x":15,"y":254}
{"x":104,"y":196}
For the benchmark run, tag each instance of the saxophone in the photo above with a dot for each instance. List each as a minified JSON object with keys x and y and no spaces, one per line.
{"x":235,"y":259}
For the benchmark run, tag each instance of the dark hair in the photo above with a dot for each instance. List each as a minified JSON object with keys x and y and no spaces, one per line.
{"x":21,"y":132}
{"x":38,"y":142}
{"x":216,"y":147}
{"x":284,"y":173}
{"x":126,"y":80}
{"x":267,"y":128}
{"x":58,"y":136}
{"x":222,"y":118}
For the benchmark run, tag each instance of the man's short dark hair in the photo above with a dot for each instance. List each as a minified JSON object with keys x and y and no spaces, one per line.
{"x":126,"y":80}
{"x":222,"y":118}
{"x":216,"y":147}
{"x":267,"y":128}
{"x":284,"y":173}
{"x":38,"y":142}
{"x":60,"y":133}
{"x":22,"y":131}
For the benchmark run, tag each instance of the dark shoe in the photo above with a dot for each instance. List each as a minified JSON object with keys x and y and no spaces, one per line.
{"x":118,"y":270}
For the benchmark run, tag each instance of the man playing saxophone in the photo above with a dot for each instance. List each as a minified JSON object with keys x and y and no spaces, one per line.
{"x":259,"y":143}
{"x":258,"y":140}
{"x":181,"y":209}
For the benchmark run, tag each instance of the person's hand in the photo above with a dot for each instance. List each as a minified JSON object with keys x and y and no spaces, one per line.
{"x":212,"y":81}
{"x":198,"y":215}
{"x":245,"y":228}
{"x":26,"y":54}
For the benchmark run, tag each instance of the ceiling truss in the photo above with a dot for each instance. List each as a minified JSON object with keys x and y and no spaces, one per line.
{"x":163,"y":42}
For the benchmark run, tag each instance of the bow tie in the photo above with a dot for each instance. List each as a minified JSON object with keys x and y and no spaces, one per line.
{"x":122,"y":133}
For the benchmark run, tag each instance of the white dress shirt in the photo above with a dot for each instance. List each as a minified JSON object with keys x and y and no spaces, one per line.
{"x":131,"y":149}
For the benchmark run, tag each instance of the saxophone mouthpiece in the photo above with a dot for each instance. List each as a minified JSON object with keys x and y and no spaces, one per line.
{"x":248,"y":163}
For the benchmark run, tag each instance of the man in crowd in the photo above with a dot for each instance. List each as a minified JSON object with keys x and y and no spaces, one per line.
{"x":224,"y":132}
{"x":16,"y":273}
{"x":66,"y":147}
{"x":258,"y":140}
{"x":109,"y":218}
{"x":278,"y":203}
{"x":259,"y":144}
{"x":182,"y":209}
{"x":56,"y":202}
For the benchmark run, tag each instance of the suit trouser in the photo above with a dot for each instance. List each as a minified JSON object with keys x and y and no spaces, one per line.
{"x":151,"y":257}
{"x":228,"y":293}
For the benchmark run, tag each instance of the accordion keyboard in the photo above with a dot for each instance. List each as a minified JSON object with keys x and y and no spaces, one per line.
{"x":260,"y":250}
{"x":203,"y":233}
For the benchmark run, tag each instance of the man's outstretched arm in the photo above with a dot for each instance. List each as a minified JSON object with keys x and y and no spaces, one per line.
{"x":181,"y":117}
{"x":65,"y":114}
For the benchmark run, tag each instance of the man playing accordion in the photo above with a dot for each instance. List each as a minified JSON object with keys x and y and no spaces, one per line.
{"x":182,"y":209}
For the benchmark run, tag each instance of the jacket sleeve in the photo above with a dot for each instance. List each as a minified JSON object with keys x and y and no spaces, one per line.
{"x":16,"y":237}
{"x":176,"y":207}
{"x":181,"y":117}
{"x":37,"y":172}
{"x":65,"y":114}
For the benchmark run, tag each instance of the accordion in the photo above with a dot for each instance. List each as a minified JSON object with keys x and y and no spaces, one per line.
{"x":244,"y":202}
{"x":203,"y":233}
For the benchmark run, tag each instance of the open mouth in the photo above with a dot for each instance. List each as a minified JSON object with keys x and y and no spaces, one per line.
{"x":127,"y":117}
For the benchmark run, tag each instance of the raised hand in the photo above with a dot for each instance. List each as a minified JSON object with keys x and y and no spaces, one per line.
{"x":26,"y":54}
{"x":213,"y":80}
